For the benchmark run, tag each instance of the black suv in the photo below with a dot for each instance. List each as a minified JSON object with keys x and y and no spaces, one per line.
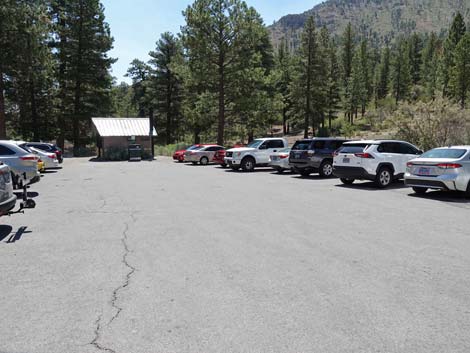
{"x":314,"y":155}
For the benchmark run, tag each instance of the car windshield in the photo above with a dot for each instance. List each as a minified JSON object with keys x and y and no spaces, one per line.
{"x":353,"y":148}
{"x":451,"y":153}
{"x":301,"y":145}
{"x":26,"y":148}
{"x":255,"y":143}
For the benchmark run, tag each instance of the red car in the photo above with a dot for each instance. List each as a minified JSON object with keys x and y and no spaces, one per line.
{"x":179,"y":155}
{"x":219,"y":158}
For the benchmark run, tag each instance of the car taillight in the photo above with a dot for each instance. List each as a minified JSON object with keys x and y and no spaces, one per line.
{"x":28,"y":158}
{"x":449,"y":165}
{"x":52,"y":156}
{"x":409,"y":164}
{"x":364,"y":155}
{"x":284,"y":156}
{"x":39,"y":160}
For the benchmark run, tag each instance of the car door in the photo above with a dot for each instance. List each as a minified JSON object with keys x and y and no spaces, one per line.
{"x":274,"y":146}
{"x":262,"y":155}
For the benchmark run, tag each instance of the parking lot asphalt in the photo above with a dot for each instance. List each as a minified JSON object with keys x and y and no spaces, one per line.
{"x":162,"y":257}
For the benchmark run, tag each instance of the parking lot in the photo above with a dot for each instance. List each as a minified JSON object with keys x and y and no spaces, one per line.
{"x":164,"y":257}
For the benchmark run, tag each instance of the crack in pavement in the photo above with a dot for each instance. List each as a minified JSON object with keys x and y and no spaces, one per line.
{"x":115,"y":295}
{"x":95,"y":341}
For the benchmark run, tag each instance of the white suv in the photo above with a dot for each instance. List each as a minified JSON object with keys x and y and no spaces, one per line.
{"x":381,"y":161}
{"x":256,"y":154}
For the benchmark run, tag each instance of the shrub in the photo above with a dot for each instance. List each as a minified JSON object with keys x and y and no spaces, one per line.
{"x":432,"y":124}
{"x":168,"y":150}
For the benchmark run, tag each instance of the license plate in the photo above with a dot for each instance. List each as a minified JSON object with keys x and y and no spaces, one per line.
{"x":275,"y":158}
{"x":424,"y":171}
{"x":346,"y":160}
{"x":297,"y":156}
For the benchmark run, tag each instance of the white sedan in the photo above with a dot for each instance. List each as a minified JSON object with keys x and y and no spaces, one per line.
{"x":50,"y":159}
{"x":280,"y":160}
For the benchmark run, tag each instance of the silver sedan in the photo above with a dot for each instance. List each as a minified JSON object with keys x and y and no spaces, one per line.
{"x":445,"y":168}
{"x":203,"y":155}
{"x":280,"y":160}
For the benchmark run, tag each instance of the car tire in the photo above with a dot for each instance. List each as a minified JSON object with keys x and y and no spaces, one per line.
{"x":204,"y":161}
{"x":279,"y":170}
{"x":347,"y":181}
{"x":180,"y":161}
{"x":248,"y":164}
{"x":326,"y":169}
{"x":304,"y":172}
{"x":467,"y":192}
{"x":419,"y":190}
{"x":384,"y":177}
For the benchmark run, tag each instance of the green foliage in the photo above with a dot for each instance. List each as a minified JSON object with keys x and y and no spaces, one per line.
{"x":401,"y":72}
{"x":460,"y":71}
{"x":429,"y":125}
{"x":169,"y":150}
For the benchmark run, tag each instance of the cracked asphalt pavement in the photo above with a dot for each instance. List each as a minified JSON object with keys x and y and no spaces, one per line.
{"x":166,"y":258}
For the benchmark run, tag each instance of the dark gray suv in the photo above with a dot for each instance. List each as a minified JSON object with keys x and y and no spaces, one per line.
{"x":314,"y":155}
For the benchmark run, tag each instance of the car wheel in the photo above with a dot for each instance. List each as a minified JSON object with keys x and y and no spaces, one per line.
{"x":204,"y":161}
{"x":248,"y":164}
{"x":384,"y":177}
{"x":347,"y":181}
{"x":419,"y":190}
{"x":326,"y":169}
{"x":467,"y":192}
{"x":304,"y":172}
{"x":180,"y":161}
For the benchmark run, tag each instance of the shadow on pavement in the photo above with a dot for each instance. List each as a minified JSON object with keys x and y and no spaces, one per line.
{"x":31,"y":194}
{"x":370,"y":186}
{"x":6,"y":231}
{"x":50,"y":171}
{"x":443,"y":196}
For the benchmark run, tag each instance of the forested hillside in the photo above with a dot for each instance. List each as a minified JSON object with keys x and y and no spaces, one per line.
{"x":380,"y":21}
{"x":221,"y":80}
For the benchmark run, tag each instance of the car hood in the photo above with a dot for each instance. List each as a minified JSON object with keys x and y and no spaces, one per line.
{"x":241,"y":149}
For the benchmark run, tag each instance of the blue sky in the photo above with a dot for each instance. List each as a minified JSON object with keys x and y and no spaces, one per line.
{"x":137,"y":24}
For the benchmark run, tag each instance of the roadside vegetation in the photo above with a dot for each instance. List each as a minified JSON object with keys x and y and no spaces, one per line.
{"x":220,"y":80}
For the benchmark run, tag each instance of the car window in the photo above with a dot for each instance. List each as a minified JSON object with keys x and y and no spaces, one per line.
{"x":389,"y":147}
{"x":407,"y":149}
{"x":301,"y":145}
{"x":336,"y":144}
{"x":353,"y":148}
{"x":275,"y":144}
{"x":212,"y":149}
{"x":451,"y":153}
{"x":5,"y":151}
{"x":318,"y":145}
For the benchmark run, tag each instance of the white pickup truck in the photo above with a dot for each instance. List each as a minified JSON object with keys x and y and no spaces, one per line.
{"x":256,"y":154}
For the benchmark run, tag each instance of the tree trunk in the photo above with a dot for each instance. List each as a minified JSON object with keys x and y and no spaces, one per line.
{"x":34,"y":110}
{"x":3,"y":130}
{"x":284,"y":121}
{"x":168,"y":111}
{"x":61,"y":121}
{"x":78,"y":89}
{"x":221,"y":126}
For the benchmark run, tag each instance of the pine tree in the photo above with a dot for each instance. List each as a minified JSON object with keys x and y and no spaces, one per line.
{"x":382,"y":86}
{"x":165,"y":85}
{"x":460,"y":72}
{"x":332,"y":95}
{"x":347,"y":53}
{"x":430,"y":62}
{"x":401,"y":77}
{"x":365,"y":76}
{"x":216,"y":37}
{"x":456,"y":32}
{"x":355,"y":89}
{"x":84,"y":40}
{"x":415,"y":50}
{"x":283,"y":79}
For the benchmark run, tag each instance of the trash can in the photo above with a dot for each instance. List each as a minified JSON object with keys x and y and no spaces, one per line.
{"x":135,"y":152}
